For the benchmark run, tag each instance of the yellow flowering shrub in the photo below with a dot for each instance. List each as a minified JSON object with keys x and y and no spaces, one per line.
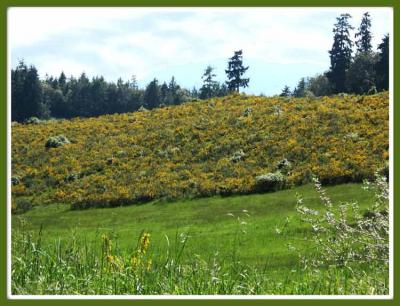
{"x":200,"y":149}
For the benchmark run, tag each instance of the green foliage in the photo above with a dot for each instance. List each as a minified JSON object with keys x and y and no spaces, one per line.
{"x":81,"y":97}
{"x":366,"y":73}
{"x":361,"y":75}
{"x":364,"y":35}
{"x":343,"y":235}
{"x":382,"y":65}
{"x":300,"y":89}
{"x":33,"y":120}
{"x":270,"y":181}
{"x":235,"y":72}
{"x":284,"y":166}
{"x":22,"y":206}
{"x":213,"y":245}
{"x":319,"y":85}
{"x":56,"y":141}
{"x":340,"y":54}
{"x":151,"y":97}
{"x":15,"y":180}
{"x":207,"y":90}
{"x":238,"y":156}
{"x":26,"y":94}
{"x":286,"y":92}
{"x":195,"y":149}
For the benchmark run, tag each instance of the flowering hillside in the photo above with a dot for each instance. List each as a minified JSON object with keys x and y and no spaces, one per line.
{"x":235,"y":144}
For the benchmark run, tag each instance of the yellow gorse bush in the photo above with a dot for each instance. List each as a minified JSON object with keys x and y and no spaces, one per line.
{"x":200,"y":149}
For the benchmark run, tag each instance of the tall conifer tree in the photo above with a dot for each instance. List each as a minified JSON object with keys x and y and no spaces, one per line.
{"x":363,"y":35}
{"x":235,"y":72}
{"x":340,"y":54}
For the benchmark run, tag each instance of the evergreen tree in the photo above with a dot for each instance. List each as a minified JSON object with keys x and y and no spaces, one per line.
{"x":81,"y":100}
{"x":300,"y":89}
{"x":235,"y":72}
{"x":173,"y":86}
{"x":54,"y":98}
{"x":363,"y":42}
{"x":207,"y":90}
{"x":361,"y":75}
{"x":164,"y":93}
{"x":340,"y":54}
{"x":99,"y":105}
{"x":221,"y":90}
{"x":134,"y":84}
{"x":151,"y":97}
{"x":62,"y":81}
{"x":173,"y":97}
{"x":194,"y":93}
{"x":26,"y":94}
{"x":382,"y":65}
{"x":286,"y":92}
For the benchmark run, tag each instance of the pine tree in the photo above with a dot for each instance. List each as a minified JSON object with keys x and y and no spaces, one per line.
{"x":164,"y":93}
{"x":62,"y":81}
{"x":207,"y":90}
{"x":382,"y":66}
{"x":151,"y":97}
{"x":26,"y":94}
{"x":194,"y":93}
{"x":300,"y":89}
{"x":173,"y":96}
{"x":286,"y":92}
{"x":133,"y":83}
{"x":340,"y":54}
{"x":363,"y":42}
{"x":235,"y":72}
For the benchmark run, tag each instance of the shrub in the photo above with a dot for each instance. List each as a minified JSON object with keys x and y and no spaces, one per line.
{"x":352,"y":136}
{"x":15,"y":180}
{"x":56,"y":141}
{"x":284,"y":166}
{"x":342,"y":95}
{"x":72,"y":177}
{"x":121,"y":154}
{"x":33,"y":120}
{"x":343,"y":235}
{"x":270,"y":182}
{"x":247,"y":112}
{"x":22,"y":206}
{"x":238,"y":156}
{"x":142,"y":109}
{"x":306,"y":134}
{"x":385,"y":171}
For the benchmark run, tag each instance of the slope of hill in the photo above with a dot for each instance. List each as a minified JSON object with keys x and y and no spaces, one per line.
{"x":221,"y":146}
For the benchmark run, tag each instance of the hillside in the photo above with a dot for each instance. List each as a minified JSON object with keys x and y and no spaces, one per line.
{"x":219,"y":146}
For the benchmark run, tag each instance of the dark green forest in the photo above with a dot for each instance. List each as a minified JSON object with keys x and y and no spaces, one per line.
{"x":360,"y":71}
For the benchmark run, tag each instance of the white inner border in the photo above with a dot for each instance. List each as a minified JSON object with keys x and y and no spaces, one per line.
{"x":208,"y":297}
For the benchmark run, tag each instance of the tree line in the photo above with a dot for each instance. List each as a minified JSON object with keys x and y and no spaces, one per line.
{"x":365,"y":72}
{"x":62,"y":97}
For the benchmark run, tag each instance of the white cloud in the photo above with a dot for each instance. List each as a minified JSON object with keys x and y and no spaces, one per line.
{"x":31,"y":25}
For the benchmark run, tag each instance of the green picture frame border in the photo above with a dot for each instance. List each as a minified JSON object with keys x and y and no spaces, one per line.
{"x":4,"y":5}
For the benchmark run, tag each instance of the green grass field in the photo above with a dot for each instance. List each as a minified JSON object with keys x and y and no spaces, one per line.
{"x":235,"y":235}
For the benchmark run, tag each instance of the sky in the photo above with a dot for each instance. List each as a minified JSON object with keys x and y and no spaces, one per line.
{"x":280,"y":45}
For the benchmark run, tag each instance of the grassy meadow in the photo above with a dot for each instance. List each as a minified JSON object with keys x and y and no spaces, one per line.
{"x":248,"y":244}
{"x":212,"y":197}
